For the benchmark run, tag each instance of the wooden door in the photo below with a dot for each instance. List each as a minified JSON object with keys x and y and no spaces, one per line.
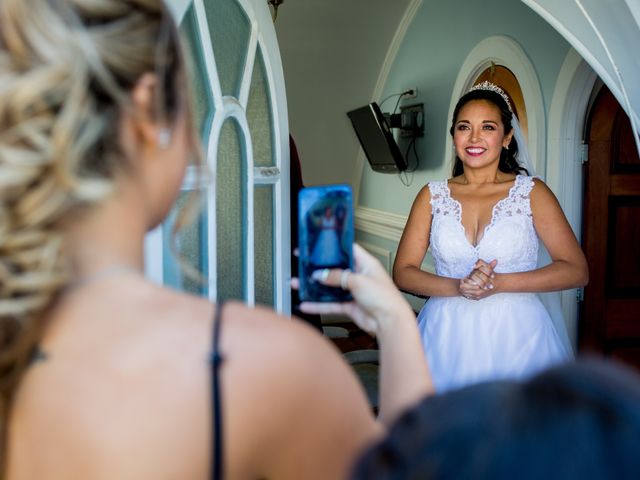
{"x":610,"y":316}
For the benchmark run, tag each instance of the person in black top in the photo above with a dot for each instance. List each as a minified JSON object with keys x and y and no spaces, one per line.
{"x":578,"y":420}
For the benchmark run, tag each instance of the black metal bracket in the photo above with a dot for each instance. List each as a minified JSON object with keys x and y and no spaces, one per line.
{"x":410,"y":120}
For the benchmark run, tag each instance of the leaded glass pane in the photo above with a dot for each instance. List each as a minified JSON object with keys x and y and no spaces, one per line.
{"x":231,"y":216}
{"x":202,"y":101}
{"x":264,"y":252}
{"x":259,"y":115}
{"x":230,"y":31}
{"x":190,"y":247}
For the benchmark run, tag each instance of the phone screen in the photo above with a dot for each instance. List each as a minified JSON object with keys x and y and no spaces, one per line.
{"x":325,"y":228}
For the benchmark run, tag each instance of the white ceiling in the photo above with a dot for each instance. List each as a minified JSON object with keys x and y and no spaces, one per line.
{"x":606,"y":35}
{"x":332,"y":53}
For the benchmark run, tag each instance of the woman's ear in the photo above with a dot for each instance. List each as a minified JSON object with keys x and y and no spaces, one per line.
{"x":507,"y":140}
{"x":144,"y":118}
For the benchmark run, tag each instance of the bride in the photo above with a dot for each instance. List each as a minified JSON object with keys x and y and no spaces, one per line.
{"x":483,"y":319}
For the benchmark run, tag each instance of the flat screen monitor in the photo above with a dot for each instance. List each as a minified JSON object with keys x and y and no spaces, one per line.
{"x":376,"y":139}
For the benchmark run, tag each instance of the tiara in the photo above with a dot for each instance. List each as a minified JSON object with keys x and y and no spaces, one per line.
{"x":486,"y":85}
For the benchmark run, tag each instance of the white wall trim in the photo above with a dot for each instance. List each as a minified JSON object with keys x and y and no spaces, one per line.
{"x":380,"y":223}
{"x":567,"y":118}
{"x":268,"y":42}
{"x":505,"y":51}
{"x":380,"y":252}
{"x":388,"y":226}
{"x":389,"y":58}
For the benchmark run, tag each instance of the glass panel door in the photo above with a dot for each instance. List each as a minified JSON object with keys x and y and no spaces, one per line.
{"x":240,"y":242}
{"x":231,"y":216}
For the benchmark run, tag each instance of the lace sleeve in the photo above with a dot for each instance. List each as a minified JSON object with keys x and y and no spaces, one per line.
{"x":441,"y":202}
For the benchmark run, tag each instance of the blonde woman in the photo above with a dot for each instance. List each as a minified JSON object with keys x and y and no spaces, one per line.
{"x":104,"y":375}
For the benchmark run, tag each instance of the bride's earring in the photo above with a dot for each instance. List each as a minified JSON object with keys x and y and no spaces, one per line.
{"x":164,"y":138}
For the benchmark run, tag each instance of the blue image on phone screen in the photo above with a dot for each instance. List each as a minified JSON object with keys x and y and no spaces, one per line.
{"x":325,"y":227}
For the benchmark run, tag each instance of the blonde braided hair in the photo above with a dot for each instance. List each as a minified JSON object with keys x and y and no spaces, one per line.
{"x":66,"y":70}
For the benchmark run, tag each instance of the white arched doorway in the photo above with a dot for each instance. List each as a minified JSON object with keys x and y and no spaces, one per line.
{"x":566,"y":151}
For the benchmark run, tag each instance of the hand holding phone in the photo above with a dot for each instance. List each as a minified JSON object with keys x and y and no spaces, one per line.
{"x":378,"y":307}
{"x":325,"y":228}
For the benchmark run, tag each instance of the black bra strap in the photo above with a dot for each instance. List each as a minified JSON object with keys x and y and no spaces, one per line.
{"x":216,"y":359}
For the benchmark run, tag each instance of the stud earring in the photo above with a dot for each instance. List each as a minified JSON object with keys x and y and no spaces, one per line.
{"x":164,"y":138}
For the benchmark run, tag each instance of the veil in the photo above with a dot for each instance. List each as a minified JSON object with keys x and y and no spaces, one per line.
{"x":524,"y":159}
{"x":551,"y":300}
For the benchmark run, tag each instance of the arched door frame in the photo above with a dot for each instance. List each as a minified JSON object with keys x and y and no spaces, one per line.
{"x":565,"y":154}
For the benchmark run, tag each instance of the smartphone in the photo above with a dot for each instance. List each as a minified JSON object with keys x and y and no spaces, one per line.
{"x":325,"y":239}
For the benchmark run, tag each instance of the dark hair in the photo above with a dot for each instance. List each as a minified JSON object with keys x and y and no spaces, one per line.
{"x":580,"y":420}
{"x":508,"y":157}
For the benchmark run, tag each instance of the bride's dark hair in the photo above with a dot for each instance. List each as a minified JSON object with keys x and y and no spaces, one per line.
{"x":508,"y":157}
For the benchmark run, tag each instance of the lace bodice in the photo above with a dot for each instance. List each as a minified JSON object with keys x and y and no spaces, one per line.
{"x":510,"y":236}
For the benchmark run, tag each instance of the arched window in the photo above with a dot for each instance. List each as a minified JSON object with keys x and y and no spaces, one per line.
{"x":240,"y":241}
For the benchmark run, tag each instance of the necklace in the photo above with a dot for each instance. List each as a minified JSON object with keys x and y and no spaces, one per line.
{"x":104,"y":273}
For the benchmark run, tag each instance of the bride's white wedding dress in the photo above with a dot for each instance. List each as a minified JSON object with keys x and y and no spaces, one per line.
{"x":506,"y":335}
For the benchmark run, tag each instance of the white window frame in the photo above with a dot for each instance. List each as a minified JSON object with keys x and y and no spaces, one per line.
{"x":227,"y":107}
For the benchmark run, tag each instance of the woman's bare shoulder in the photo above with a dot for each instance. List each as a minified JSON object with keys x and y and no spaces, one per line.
{"x":185,"y":322}
{"x":423,"y":198}
{"x":541,"y":195}
{"x":156,"y":355}
{"x":306,"y":385}
{"x":251,"y":337}
{"x":539,"y":185}
{"x":270,"y":335}
{"x":302,"y":366}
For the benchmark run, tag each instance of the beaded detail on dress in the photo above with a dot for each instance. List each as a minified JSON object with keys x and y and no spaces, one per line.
{"x":510,"y":236}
